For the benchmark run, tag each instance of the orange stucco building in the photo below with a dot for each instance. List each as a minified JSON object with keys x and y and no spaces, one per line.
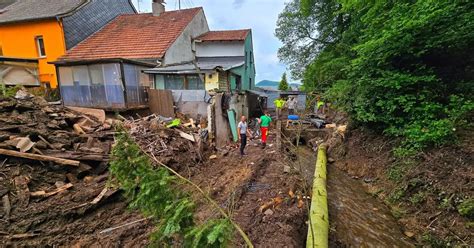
{"x":35,"y":33}
{"x":22,"y":40}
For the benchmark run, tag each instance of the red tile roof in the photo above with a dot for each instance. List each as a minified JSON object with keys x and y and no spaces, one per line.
{"x":134,"y":36}
{"x":225,"y":35}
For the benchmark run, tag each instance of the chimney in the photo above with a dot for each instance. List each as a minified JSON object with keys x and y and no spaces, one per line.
{"x":158,"y":7}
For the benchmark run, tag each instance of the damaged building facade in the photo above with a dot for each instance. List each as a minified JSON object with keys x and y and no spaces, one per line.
{"x":118,"y":68}
{"x":35,"y":33}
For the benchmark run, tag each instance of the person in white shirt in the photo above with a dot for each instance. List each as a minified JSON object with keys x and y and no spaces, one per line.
{"x":291,"y":105}
{"x":243,"y":130}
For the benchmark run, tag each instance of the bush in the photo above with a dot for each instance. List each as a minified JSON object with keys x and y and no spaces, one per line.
{"x":466,"y":208}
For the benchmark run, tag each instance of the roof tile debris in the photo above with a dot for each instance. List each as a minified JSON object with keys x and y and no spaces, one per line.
{"x":134,"y":36}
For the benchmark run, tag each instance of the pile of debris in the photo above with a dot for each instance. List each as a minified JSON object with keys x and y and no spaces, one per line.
{"x":171,"y":142}
{"x":32,"y":128}
{"x":54,"y":169}
{"x":47,"y":150}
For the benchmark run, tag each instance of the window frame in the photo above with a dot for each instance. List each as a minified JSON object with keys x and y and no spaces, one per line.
{"x":41,"y":52}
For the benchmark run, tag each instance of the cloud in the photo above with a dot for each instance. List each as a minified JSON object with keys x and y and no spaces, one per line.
{"x":238,"y":3}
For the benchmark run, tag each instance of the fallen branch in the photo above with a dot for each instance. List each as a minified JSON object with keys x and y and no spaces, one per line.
{"x":208,"y":198}
{"x":39,"y":157}
{"x":58,"y":190}
{"x":124,"y":225}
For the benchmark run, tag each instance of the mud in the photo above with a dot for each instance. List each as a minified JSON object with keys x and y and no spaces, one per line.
{"x":245,"y":184}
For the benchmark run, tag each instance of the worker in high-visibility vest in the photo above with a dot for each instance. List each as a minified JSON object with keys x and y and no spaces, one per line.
{"x":279,"y":103}
{"x":319,"y":106}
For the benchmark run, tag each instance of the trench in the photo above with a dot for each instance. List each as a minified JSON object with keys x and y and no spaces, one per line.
{"x":356,"y":218}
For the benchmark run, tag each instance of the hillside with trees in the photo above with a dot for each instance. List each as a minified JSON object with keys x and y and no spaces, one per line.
{"x":402,"y":71}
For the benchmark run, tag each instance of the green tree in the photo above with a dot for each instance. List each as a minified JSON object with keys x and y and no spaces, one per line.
{"x":283,"y":86}
{"x":401,"y":67}
{"x":305,"y":36}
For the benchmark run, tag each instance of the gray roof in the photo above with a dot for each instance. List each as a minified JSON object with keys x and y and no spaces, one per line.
{"x":28,"y":10}
{"x":205,"y":64}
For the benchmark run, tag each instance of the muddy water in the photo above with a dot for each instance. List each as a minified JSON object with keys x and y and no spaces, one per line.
{"x":357,"y":219}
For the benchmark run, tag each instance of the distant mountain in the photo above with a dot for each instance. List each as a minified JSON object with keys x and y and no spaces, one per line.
{"x":268,"y":83}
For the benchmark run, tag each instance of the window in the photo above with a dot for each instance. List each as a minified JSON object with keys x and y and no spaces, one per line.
{"x":195,"y":83}
{"x":174,"y":82}
{"x":96,"y":74}
{"x":40,"y":46}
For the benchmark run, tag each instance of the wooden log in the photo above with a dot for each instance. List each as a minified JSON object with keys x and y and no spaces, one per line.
{"x":77,"y":155}
{"x":39,"y":157}
{"x":318,"y":229}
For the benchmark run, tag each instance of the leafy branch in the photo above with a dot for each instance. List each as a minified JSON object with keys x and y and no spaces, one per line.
{"x":154,"y":191}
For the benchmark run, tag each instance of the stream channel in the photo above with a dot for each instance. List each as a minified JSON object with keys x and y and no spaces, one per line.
{"x":356,"y":218}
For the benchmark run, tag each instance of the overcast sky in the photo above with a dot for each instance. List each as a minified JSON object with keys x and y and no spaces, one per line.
{"x":259,"y":15}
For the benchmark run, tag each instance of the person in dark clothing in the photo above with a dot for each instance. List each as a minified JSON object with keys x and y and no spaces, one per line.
{"x":243,"y":130}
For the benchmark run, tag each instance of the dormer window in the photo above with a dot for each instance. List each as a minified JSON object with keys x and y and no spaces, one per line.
{"x":40,"y":46}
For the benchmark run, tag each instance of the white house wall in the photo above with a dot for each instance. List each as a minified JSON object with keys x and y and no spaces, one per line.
{"x":180,"y":51}
{"x":219,"y":49}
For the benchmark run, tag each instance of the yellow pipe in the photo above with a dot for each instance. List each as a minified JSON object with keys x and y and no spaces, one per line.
{"x":318,"y":228}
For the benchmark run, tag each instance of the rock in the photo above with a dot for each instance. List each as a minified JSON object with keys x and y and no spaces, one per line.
{"x":268,"y":212}
{"x":213,"y":157}
{"x":286,"y":169}
{"x":409,"y":234}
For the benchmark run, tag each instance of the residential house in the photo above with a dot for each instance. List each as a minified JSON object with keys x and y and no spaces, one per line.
{"x":105,"y":70}
{"x":223,"y":62}
{"x":36,"y":32}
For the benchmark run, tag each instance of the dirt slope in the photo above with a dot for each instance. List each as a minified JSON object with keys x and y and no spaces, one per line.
{"x":424,"y":193}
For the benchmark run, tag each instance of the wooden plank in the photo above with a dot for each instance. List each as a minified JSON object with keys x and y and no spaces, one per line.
{"x":38,"y":157}
{"x":233,"y":124}
{"x":161,"y":102}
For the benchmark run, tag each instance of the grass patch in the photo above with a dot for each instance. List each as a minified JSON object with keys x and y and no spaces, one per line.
{"x":396,"y":195}
{"x":399,"y":169}
{"x":466,"y":209}
{"x":418,"y":198}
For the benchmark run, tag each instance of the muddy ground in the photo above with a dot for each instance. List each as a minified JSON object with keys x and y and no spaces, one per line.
{"x":70,"y":219}
{"x":422,"y":192}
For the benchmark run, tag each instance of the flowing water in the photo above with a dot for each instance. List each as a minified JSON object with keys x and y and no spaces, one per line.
{"x":356,"y":218}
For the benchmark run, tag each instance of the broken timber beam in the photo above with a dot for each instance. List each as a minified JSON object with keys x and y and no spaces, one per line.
{"x":38,"y":157}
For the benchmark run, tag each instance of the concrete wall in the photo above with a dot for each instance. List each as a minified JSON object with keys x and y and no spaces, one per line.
{"x":239,"y":104}
{"x":192,"y":102}
{"x":222,"y":128}
{"x":181,"y":50}
{"x":220,"y":49}
{"x":211,"y":81}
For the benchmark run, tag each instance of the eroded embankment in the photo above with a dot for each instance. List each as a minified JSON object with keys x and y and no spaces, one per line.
{"x":356,"y":218}
{"x":424,"y":193}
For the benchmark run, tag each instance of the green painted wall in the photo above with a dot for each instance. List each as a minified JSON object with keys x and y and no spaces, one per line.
{"x":247,"y":71}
